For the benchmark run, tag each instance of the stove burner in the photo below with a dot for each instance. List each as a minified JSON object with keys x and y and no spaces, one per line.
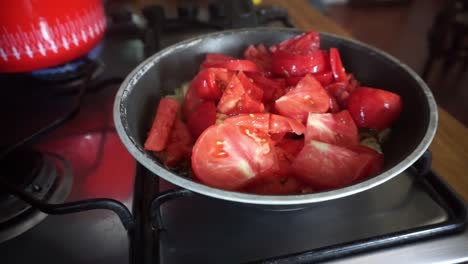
{"x":44,"y":176}
{"x":70,"y":70}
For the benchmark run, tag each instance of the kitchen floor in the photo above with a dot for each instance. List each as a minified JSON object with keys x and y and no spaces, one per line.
{"x":401,"y":30}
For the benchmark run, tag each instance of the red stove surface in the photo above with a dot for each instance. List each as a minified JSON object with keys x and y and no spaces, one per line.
{"x":102,"y":166}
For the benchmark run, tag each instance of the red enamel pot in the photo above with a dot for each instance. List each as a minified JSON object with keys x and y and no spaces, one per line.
{"x":37,"y":34}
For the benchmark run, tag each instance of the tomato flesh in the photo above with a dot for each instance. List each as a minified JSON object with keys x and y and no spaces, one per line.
{"x":228,"y":157}
{"x":327,"y":166}
{"x":338,"y":129}
{"x":307,"y":97}
{"x":179,"y":145}
{"x":238,"y":99}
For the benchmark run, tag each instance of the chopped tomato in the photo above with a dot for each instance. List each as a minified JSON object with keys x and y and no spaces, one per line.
{"x":324,"y":78}
{"x":247,"y":116}
{"x":374,"y":108}
{"x":237,"y":99}
{"x":163,"y":121}
{"x":179,"y":145}
{"x":334,"y":106}
{"x":214,"y":60}
{"x":304,"y":43}
{"x":251,"y":89}
{"x":307,"y":97}
{"x":260,"y":56}
{"x":272,"y":88}
{"x":267,"y":123}
{"x":337,"y":66}
{"x":210,"y":83}
{"x":291,"y":147}
{"x":340,"y":92}
{"x":327,"y":166}
{"x":201,"y":118}
{"x":288,"y":64}
{"x":229,"y":157}
{"x":191,"y":102}
{"x":376,"y":160}
{"x":338,"y":129}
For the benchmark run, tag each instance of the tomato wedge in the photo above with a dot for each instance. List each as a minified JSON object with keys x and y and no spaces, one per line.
{"x":260,"y":56}
{"x":374,"y":108}
{"x":288,"y":64}
{"x":307,"y":97}
{"x":191,"y":102}
{"x":267,"y":123}
{"x":338,"y":129}
{"x":337,"y":66}
{"x":210,"y":82}
{"x":272,"y":88}
{"x":179,"y":145}
{"x":201,"y":118}
{"x":326,"y":166}
{"x":215,"y":60}
{"x":229,"y":157}
{"x":238,"y":99}
{"x":304,"y":43}
{"x":164,"y":119}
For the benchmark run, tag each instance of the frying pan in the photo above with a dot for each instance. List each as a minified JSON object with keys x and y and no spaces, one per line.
{"x":159,"y":75}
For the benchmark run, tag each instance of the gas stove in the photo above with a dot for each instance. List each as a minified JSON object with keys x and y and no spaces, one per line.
{"x":68,"y":151}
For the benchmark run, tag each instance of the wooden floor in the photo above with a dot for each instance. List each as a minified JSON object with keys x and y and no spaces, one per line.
{"x":401,"y":30}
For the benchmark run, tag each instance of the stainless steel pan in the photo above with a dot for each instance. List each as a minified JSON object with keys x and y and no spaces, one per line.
{"x":166,"y":70}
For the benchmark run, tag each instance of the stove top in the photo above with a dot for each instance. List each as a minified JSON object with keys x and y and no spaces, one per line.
{"x":410,"y":218}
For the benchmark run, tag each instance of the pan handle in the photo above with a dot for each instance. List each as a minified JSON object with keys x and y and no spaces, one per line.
{"x":424,"y":163}
{"x":73,"y":207}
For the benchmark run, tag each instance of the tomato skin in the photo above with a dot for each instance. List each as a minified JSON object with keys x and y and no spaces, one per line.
{"x":374,"y":108}
{"x":288,"y":64}
{"x":166,"y":114}
{"x":307,"y":97}
{"x":203,"y":117}
{"x":338,"y":129}
{"x":179,"y":145}
{"x":210,"y":82}
{"x":327,"y":166}
{"x":337,"y":66}
{"x":229,"y":157}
